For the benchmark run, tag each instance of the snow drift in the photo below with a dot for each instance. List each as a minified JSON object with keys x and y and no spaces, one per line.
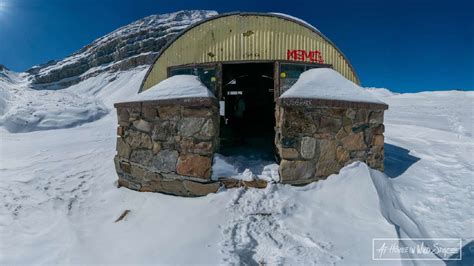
{"x":175,"y":87}
{"x":328,"y":84}
{"x":23,"y":109}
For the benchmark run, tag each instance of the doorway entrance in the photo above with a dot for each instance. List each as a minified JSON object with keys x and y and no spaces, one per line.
{"x":249,"y":106}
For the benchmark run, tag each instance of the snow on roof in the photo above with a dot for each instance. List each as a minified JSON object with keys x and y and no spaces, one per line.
{"x":328,"y":84}
{"x":296,"y":19}
{"x":175,"y":87}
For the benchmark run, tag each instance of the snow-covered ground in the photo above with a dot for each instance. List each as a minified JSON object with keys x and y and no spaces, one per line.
{"x":24,"y":109}
{"x":59,"y":200}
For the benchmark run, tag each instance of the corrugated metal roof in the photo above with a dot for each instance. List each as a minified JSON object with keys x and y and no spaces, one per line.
{"x":227,"y":50}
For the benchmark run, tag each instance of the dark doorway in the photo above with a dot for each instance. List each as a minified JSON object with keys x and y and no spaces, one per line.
{"x":248,"y":96}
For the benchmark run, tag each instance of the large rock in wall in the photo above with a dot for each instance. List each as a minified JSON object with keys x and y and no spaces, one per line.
{"x":317,"y":138}
{"x":167,"y":145}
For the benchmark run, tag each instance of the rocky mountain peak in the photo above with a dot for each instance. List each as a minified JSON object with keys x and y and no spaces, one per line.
{"x":129,"y":46}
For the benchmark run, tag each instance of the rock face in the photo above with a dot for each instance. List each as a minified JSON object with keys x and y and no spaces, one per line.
{"x":315,"y":141}
{"x":127,"y":47}
{"x":168,"y":145}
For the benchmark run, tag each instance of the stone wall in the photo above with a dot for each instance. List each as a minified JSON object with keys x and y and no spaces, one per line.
{"x":167,"y":145}
{"x":316,"y":138}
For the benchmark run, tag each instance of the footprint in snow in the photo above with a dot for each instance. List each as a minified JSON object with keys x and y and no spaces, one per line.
{"x":255,"y":235}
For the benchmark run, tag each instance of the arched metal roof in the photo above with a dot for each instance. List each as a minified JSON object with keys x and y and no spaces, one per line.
{"x":276,"y":15}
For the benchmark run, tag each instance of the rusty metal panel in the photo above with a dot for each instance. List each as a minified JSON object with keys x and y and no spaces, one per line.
{"x":244,"y":38}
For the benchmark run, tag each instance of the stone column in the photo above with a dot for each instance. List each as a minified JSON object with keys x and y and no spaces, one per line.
{"x":167,"y":145}
{"x":316,"y":138}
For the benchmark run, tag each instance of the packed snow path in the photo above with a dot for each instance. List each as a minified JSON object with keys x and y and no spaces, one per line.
{"x":59,"y":200}
{"x":255,"y":234}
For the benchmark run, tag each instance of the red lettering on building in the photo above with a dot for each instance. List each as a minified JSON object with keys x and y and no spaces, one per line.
{"x":314,"y":56}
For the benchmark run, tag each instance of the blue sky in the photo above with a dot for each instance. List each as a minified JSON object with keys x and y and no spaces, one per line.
{"x":403,"y":45}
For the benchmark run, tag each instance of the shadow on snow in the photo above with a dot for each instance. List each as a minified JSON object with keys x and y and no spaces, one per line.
{"x":397,"y":160}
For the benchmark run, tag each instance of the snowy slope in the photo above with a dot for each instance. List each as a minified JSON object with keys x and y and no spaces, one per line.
{"x":430,"y":158}
{"x":452,"y":111}
{"x":23,"y":109}
{"x":49,"y":96}
{"x":60,"y":201}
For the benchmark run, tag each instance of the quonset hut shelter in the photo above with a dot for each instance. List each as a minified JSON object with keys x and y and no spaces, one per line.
{"x":299,"y":91}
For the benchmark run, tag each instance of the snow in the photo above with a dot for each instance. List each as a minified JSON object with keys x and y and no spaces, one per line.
{"x":23,"y":109}
{"x":60,"y":200}
{"x":433,"y":131}
{"x":380,"y":92}
{"x":328,"y":84}
{"x":245,"y":167}
{"x":450,"y":111}
{"x":175,"y":87}
{"x":296,"y":19}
